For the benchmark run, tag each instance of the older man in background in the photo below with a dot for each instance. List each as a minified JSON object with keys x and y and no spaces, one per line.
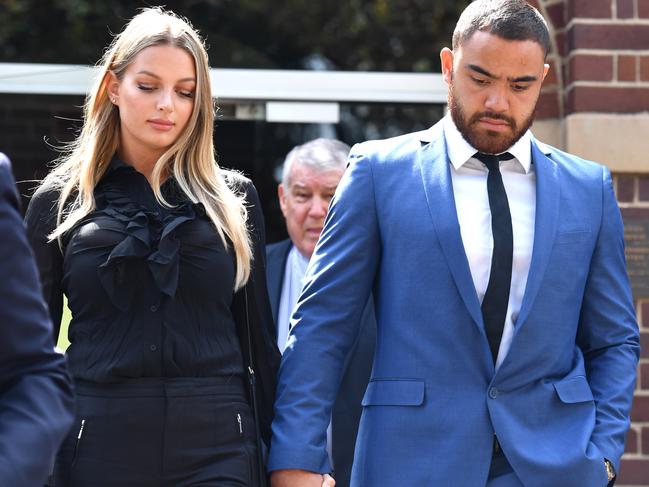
{"x":310,"y":176}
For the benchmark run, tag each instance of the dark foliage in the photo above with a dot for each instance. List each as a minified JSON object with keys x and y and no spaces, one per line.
{"x":372,"y":35}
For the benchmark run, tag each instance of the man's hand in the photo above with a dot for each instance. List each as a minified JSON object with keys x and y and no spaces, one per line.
{"x":300,"y":478}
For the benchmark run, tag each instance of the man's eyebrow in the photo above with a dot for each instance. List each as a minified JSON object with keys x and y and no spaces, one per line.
{"x":524,"y":79}
{"x":153,"y":75}
{"x":484,"y":72}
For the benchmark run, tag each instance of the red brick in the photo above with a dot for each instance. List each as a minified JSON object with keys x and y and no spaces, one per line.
{"x":561,"y":40}
{"x":591,"y":68}
{"x":626,"y":68}
{"x":633,"y":472}
{"x":548,"y":106}
{"x":625,"y":9}
{"x":644,"y":311}
{"x":643,"y":9}
{"x":645,"y":440}
{"x":619,"y":36}
{"x":625,"y":188}
{"x":607,"y":99}
{"x":644,"y":68}
{"x":644,"y":346}
{"x":631,"y":443}
{"x":534,"y":3}
{"x":643,"y":381}
{"x":556,"y":15}
{"x":640,"y":409}
{"x":636,"y":212}
{"x":643,"y":194}
{"x":589,"y":9}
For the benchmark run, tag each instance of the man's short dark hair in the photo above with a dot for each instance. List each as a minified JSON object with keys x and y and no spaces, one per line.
{"x":514,"y":20}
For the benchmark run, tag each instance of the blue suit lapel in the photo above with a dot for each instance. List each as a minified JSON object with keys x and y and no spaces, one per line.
{"x":435,"y":172}
{"x":545,"y":227}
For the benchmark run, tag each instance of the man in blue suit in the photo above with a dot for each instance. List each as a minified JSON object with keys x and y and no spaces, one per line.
{"x":36,"y":407}
{"x":310,"y":175}
{"x":507,"y":342}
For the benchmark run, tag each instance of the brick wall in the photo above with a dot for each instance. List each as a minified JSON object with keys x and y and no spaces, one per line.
{"x":600,"y":56}
{"x":633,"y":196}
{"x":600,"y":65}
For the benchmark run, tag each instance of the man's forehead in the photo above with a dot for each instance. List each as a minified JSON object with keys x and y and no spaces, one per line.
{"x":304,"y":175}
{"x":493,"y":53}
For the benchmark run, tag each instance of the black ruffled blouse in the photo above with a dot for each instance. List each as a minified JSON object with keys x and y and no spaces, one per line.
{"x":150,"y":288}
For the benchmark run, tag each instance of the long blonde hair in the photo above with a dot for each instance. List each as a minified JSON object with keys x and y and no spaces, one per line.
{"x":191,"y":159}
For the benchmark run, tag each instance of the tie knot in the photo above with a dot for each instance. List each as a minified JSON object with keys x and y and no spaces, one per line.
{"x":492,"y":160}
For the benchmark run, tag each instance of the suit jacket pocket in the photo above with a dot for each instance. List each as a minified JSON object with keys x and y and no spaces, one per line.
{"x":394,"y":392}
{"x":574,"y":389}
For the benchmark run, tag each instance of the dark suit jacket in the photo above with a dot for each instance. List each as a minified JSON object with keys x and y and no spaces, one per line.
{"x":36,"y":407}
{"x":347,"y":409}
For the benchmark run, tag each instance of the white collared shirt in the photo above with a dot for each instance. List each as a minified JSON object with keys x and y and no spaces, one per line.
{"x":469,"y":178}
{"x":294,"y":272}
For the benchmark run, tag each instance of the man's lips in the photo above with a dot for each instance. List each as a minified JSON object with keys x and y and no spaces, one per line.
{"x":494,"y":123}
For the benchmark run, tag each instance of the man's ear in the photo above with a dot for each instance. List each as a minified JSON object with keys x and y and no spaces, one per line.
{"x":546,"y":69}
{"x":447,"y":57}
{"x":281,"y":195}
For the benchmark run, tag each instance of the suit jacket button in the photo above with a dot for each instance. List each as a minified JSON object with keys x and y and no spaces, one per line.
{"x":493,"y":393}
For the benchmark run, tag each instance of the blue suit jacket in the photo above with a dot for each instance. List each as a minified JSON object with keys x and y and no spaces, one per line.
{"x":560,"y":401}
{"x":36,"y":407}
{"x":347,"y":409}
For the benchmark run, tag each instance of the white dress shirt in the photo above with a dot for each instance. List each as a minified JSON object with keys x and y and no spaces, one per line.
{"x":294,"y":272}
{"x":469,"y":178}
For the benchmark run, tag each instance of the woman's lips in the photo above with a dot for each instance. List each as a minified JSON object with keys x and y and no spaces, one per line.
{"x":160,"y":124}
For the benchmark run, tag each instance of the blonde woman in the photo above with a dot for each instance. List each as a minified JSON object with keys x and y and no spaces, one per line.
{"x":160,"y":254}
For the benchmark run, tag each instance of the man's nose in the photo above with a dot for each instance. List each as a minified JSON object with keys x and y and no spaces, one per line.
{"x":497,"y":100}
{"x":319,"y":207}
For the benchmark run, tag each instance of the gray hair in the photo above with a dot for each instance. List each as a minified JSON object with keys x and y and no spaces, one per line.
{"x":513,"y":20}
{"x":319,"y":154}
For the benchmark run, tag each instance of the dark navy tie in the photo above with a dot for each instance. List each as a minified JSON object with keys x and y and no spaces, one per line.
{"x":494,"y":304}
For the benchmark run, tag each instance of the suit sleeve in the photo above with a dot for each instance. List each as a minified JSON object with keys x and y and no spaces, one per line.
{"x":40,"y":221}
{"x":36,"y":407}
{"x":608,"y":331}
{"x":326,"y":322}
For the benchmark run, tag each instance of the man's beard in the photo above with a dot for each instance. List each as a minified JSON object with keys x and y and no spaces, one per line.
{"x":489,"y":142}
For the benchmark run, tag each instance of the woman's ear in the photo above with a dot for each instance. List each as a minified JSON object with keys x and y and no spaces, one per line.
{"x":112,"y":87}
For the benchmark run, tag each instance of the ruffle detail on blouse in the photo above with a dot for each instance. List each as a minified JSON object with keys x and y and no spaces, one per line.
{"x":149,"y":235}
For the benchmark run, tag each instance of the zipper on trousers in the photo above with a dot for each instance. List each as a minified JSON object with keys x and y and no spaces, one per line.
{"x":240,"y":423}
{"x":78,"y":442}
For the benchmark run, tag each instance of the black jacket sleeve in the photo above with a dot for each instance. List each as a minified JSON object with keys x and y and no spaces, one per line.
{"x":265,"y":354}
{"x":36,"y":406}
{"x":40,"y":221}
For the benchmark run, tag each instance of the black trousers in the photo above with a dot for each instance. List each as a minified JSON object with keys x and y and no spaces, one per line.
{"x":160,"y":433}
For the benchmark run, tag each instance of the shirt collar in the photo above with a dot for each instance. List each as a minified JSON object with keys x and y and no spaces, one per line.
{"x":460,"y":151}
{"x":116,"y":164}
{"x":299,"y":263}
